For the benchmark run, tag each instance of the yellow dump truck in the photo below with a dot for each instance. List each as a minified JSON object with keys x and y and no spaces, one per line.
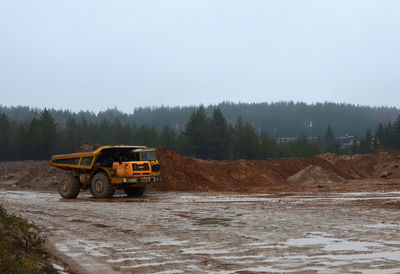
{"x":108,"y":168}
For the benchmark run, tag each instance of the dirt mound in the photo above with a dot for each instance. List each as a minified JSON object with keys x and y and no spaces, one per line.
{"x":87,"y":148}
{"x":387,"y":170}
{"x":336,"y":173}
{"x":38,"y":175}
{"x":188,"y":174}
{"x":315,"y":175}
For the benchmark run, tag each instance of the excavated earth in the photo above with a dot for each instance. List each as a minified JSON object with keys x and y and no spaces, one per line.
{"x":326,"y":214}
{"x":325,"y":172}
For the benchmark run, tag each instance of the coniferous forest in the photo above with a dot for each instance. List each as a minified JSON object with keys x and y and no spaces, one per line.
{"x":223,"y":132}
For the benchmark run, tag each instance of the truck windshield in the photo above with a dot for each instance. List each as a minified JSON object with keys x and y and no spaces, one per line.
{"x":148,"y":156}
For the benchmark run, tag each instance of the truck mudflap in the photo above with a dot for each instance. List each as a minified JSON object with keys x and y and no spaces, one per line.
{"x":151,"y":179}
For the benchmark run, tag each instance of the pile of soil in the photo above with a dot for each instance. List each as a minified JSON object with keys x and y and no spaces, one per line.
{"x":326,"y":172}
{"x":87,"y":148}
{"x":315,"y":175}
{"x":36,"y":175}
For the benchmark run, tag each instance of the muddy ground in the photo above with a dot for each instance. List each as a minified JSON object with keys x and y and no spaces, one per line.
{"x":220,"y":233}
{"x":325,"y":214}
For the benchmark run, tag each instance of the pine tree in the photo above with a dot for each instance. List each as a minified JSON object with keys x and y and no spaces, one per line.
{"x":21,"y":143}
{"x":197,"y":134}
{"x":366,"y":143}
{"x":34,"y":151}
{"x":5,"y":137}
{"x":219,"y":139}
{"x":48,"y":133}
{"x":103,"y":136}
{"x":396,"y":134}
{"x":303,"y":148}
{"x":72,"y":136}
{"x":147,"y":136}
{"x":168,"y":138}
{"x":246,"y":142}
{"x":331,"y":144}
{"x":116,"y":133}
{"x":268,"y":146}
{"x":379,"y":135}
{"x":355,"y":148}
{"x":329,"y":137}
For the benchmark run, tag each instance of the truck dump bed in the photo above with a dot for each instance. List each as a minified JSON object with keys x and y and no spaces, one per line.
{"x":86,"y":160}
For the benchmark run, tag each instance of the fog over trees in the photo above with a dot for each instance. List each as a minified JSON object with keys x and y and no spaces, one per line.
{"x":224,"y":132}
{"x":282,"y":119}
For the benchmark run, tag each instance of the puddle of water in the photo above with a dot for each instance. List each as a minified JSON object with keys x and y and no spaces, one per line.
{"x":172,"y":271}
{"x":367,"y":257}
{"x":90,"y":247}
{"x":61,"y":247}
{"x":205,"y":251}
{"x":101,"y":225}
{"x":145,"y":265}
{"x":59,"y":268}
{"x":264,"y":269}
{"x":379,"y":270}
{"x":213,"y":221}
{"x":40,"y":212}
{"x":241,"y":257}
{"x":129,"y":252}
{"x":115,"y":199}
{"x":162,"y":241}
{"x":383,"y":225}
{"x":332,"y":244}
{"x":120,"y":260}
{"x":259,"y":244}
{"x":127,"y":248}
{"x":350,"y":246}
{"x":78,"y":221}
{"x":128,"y":231}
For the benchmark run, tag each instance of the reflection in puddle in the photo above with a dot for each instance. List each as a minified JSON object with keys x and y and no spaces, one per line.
{"x":213,"y":221}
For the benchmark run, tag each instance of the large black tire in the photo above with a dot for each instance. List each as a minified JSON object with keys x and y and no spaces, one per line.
{"x":101,"y":186}
{"x":69,"y":189}
{"x":135,"y":191}
{"x":94,"y":194}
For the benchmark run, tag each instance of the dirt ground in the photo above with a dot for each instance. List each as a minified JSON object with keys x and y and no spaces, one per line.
{"x":325,"y":214}
{"x":220,"y":233}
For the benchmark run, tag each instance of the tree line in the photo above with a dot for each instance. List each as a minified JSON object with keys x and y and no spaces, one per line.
{"x":280,"y":119}
{"x":206,"y":136}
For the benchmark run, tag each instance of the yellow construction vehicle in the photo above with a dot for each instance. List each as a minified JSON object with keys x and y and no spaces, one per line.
{"x":108,"y":168}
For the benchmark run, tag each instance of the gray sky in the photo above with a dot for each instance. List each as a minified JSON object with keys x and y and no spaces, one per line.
{"x":97,"y":54}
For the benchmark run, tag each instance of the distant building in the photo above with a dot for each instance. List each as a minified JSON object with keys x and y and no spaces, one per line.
{"x":348,"y":141}
{"x":286,"y":140}
{"x":314,"y":140}
{"x":345,"y":142}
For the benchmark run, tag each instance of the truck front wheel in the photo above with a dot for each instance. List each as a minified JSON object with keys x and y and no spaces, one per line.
{"x":70,"y":188}
{"x":101,"y":186}
{"x":135,"y":191}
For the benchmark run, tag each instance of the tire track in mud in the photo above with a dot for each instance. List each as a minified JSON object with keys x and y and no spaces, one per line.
{"x":186,"y":232}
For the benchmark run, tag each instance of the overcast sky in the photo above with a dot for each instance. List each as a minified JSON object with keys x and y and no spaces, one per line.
{"x":98,"y":54}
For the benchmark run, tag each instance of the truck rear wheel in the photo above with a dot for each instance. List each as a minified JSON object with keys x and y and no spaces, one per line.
{"x":69,"y":189}
{"x":135,"y":191}
{"x":101,"y":186}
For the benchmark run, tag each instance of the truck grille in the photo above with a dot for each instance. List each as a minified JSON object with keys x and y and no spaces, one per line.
{"x":141,"y":167}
